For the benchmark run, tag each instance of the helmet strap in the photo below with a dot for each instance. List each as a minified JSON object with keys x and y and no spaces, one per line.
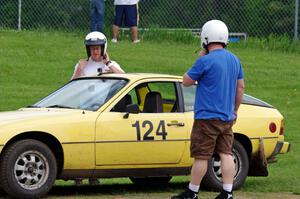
{"x":88,"y":51}
{"x":102,"y":50}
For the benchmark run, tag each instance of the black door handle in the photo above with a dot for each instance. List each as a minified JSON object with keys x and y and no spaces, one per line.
{"x":180,"y":124}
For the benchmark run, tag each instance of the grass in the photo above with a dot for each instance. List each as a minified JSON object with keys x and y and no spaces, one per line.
{"x":32,"y":64}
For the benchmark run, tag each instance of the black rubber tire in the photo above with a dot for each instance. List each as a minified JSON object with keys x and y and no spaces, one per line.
{"x":150,"y":180}
{"x":27,"y":161}
{"x":212,"y":179}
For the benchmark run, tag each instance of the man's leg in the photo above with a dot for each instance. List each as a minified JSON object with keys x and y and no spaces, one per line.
{"x":100,"y":15}
{"x":93,"y":16}
{"x":134,"y":31}
{"x":227,"y":168}
{"x":116,"y":30}
{"x":198,"y":171}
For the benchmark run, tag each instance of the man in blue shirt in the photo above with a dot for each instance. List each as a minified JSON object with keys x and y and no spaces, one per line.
{"x":219,"y":94}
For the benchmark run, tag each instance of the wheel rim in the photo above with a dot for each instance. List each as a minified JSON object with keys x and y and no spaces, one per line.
{"x":31,"y":170}
{"x":216,"y":162}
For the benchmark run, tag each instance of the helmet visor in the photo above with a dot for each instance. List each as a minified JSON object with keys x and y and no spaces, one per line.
{"x":94,"y":42}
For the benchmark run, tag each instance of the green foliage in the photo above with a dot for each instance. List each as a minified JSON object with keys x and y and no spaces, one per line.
{"x":271,"y":43}
{"x":256,"y":17}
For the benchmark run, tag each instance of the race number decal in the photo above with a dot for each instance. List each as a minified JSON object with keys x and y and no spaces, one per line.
{"x":148,"y":126}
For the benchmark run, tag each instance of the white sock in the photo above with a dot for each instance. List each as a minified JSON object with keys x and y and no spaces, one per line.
{"x":194,"y":188}
{"x":227,"y":187}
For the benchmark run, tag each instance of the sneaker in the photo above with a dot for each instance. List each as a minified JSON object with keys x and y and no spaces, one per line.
{"x":114,"y":40}
{"x":94,"y":181}
{"x":225,"y":195}
{"x":187,"y":194}
{"x":136,"y":41}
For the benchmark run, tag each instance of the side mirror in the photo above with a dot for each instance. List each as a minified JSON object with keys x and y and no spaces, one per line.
{"x":131,"y":108}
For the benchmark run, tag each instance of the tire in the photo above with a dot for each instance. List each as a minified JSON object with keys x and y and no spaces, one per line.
{"x":213,"y":178}
{"x":28,"y":169}
{"x":151,"y":180}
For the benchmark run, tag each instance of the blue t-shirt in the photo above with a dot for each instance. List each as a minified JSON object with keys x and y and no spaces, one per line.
{"x":217,"y":74}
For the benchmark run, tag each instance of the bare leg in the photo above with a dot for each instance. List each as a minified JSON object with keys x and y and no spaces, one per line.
{"x":134,"y":31}
{"x":198,"y":171}
{"x":116,"y":30}
{"x":227,"y":168}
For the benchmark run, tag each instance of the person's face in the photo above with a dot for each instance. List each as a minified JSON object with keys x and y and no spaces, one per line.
{"x":95,"y":52}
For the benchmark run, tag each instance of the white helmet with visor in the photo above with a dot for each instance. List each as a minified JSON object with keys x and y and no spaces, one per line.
{"x":95,"y":39}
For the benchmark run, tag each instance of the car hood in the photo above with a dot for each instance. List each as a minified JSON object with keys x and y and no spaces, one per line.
{"x":34,"y":113}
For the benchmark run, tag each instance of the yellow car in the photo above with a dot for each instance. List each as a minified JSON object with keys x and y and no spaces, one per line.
{"x":124,"y":125}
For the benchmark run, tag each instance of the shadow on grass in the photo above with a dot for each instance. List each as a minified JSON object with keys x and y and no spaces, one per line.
{"x":115,"y":189}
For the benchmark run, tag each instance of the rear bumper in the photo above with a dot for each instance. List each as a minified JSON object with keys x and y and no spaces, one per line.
{"x":281,"y":147}
{"x":285,"y":147}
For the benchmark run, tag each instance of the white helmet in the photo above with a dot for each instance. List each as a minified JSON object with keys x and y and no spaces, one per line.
{"x":214,"y":31}
{"x":95,"y":39}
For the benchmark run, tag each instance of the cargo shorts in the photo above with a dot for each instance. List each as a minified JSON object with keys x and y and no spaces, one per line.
{"x":211,"y":136}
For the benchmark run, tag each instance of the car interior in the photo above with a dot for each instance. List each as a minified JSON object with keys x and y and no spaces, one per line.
{"x":148,"y":97}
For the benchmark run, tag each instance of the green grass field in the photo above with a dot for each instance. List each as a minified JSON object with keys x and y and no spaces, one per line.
{"x":32,"y":64}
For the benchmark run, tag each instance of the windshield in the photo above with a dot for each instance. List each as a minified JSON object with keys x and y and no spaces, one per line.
{"x":87,"y":94}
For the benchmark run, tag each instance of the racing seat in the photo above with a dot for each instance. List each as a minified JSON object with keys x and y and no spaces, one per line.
{"x":153,"y":103}
{"x":121,"y":105}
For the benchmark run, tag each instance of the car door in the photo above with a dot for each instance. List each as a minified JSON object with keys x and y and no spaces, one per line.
{"x":144,"y":138}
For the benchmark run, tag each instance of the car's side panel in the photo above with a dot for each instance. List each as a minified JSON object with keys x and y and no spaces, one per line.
{"x":144,"y":138}
{"x":268,"y":143}
{"x":75,"y":130}
{"x":254,"y":121}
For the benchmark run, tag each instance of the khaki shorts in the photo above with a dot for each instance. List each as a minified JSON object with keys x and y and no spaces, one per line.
{"x":211,"y":136}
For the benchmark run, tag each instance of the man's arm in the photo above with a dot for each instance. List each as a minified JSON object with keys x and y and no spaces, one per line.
{"x":187,"y":81}
{"x":239,"y":94}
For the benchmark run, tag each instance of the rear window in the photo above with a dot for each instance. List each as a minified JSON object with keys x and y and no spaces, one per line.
{"x":247,"y":99}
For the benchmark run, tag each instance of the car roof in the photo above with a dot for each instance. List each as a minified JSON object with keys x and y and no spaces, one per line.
{"x":136,"y":76}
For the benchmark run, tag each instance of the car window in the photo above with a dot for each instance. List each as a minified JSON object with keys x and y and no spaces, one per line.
{"x":151,"y":96}
{"x":86,"y":94}
{"x":167,"y":90}
{"x":188,"y":97}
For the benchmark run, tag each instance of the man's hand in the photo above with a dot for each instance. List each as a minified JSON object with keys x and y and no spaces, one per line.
{"x":202,"y":53}
{"x":105,"y":58}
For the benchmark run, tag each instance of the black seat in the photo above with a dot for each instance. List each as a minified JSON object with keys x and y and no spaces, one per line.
{"x":153,"y":103}
{"x":121,"y":105}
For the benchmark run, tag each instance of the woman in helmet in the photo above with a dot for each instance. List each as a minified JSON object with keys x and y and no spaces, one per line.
{"x":98,"y":60}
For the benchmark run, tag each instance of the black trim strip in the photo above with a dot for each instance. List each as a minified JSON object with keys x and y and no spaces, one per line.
{"x":87,"y":142}
{"x":144,"y":141}
{"x":116,"y":141}
{"x":257,"y":138}
{"x":173,"y":140}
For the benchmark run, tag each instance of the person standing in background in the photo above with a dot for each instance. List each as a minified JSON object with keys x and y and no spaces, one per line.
{"x":97,"y":11}
{"x":127,"y":11}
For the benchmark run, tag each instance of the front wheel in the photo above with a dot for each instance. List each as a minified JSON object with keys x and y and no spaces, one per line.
{"x":213,"y":177}
{"x":28,"y":169}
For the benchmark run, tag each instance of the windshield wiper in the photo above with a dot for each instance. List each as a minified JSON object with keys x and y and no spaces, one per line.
{"x":32,"y":106}
{"x":59,"y":106}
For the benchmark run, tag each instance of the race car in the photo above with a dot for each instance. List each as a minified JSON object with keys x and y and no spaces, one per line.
{"x":125,"y":125}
